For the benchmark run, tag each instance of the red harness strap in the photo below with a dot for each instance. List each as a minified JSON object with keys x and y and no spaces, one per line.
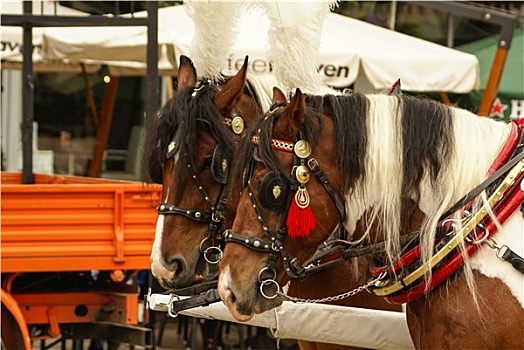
{"x":509,"y":146}
{"x":456,"y":261}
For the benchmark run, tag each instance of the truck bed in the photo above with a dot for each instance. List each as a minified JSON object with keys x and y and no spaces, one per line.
{"x":68,"y":223}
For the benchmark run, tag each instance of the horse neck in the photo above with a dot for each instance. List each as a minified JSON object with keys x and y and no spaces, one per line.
{"x":476,"y":143}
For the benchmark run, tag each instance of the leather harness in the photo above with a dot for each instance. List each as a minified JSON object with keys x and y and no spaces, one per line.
{"x":398,"y":284}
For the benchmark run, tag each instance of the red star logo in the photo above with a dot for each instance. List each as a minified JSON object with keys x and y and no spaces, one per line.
{"x":498,"y":109}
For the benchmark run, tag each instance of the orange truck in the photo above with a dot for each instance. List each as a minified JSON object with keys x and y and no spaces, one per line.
{"x":71,"y":251}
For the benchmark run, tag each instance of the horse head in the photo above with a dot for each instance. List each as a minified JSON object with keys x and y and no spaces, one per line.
{"x":278,"y":164}
{"x":192,"y":142}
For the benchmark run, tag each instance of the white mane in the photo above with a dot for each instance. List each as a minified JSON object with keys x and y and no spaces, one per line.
{"x":380,"y":190}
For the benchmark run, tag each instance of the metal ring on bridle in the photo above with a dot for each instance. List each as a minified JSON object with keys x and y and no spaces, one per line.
{"x":170,"y":306}
{"x":266,"y":269}
{"x":267,"y":283}
{"x":481,"y":239}
{"x":210,"y":249}
{"x":454,"y":222}
{"x":202,"y":249}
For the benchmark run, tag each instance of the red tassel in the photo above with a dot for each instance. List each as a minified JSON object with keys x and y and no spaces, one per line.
{"x":300,"y":222}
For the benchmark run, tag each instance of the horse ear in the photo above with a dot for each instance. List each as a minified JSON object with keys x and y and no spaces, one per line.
{"x":292,"y":117}
{"x":278,"y":95}
{"x":186,"y":73}
{"x":297,"y":109}
{"x":228,"y":96}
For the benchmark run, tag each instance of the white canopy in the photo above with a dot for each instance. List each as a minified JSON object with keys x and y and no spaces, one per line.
{"x":12,"y":42}
{"x":350,"y":49}
{"x":123,"y":49}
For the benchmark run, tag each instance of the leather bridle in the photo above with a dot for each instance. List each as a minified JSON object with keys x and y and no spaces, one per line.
{"x":274,"y":247}
{"x":211,"y":245}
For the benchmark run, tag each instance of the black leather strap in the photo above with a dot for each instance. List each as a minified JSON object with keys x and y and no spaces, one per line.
{"x":253,"y":243}
{"x":193,"y":214}
{"x":317,"y":171}
{"x":207,"y":298}
{"x":196,"y":289}
{"x":516,"y":260}
{"x":477,"y":190}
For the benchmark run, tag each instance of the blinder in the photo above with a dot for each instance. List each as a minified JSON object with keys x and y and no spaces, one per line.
{"x":219,"y":166}
{"x":273,"y":191}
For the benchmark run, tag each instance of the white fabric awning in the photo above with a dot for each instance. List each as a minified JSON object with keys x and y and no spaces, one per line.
{"x":350,"y":49}
{"x":12,"y":39}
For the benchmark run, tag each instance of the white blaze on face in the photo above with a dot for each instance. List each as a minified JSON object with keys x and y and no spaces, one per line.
{"x":157,"y":268}
{"x":223,"y":281}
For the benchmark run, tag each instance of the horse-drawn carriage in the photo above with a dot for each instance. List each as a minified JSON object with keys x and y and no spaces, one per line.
{"x":401,"y":191}
{"x":391,"y":166}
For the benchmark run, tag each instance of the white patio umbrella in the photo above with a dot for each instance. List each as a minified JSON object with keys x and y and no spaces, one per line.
{"x":350,"y":51}
{"x":122,"y":49}
{"x":12,"y":38}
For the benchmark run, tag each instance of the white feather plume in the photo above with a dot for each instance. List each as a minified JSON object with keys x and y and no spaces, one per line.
{"x":214,"y":36}
{"x":294,"y":39}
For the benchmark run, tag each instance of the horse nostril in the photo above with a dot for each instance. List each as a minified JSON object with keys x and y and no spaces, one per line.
{"x":175,"y":265}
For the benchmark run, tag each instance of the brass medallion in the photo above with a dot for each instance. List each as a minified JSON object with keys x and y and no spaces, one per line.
{"x":276,"y":191}
{"x":237,"y":124}
{"x":302,"y":174}
{"x":302,"y":198}
{"x":302,"y":149}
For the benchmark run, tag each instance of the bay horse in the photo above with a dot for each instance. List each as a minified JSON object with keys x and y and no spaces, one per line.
{"x":190,"y":146}
{"x":376,"y":154}
{"x":197,"y":121}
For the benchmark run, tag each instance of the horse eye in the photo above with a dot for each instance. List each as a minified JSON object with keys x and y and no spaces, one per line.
{"x":207,"y":163}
